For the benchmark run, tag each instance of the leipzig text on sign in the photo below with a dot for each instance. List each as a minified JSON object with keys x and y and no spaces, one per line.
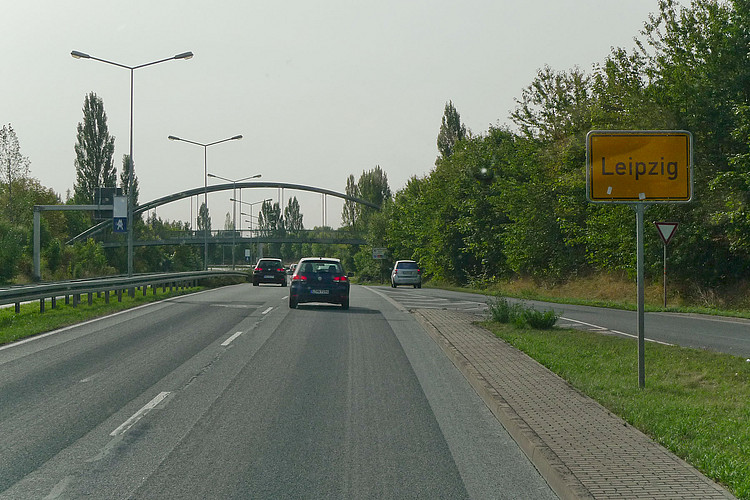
{"x":646,"y":166}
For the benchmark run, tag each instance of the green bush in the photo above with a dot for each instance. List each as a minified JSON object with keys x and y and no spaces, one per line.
{"x":520,"y":315}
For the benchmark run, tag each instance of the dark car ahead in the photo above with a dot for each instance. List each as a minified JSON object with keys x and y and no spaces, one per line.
{"x":317,"y":279}
{"x":269,"y":271}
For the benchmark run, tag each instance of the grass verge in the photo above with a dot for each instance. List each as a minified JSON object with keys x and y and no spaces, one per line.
{"x":695,"y":403}
{"x":29,"y":321}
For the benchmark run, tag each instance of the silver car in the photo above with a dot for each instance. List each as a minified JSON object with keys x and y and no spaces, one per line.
{"x":406,"y":272}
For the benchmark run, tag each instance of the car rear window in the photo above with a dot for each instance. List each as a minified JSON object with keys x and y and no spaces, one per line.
{"x":407,"y":265}
{"x":269,"y":264}
{"x":320,"y":267}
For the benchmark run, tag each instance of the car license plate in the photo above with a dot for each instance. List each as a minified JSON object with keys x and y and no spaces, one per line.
{"x":319,"y":292}
{"x":269,"y":276}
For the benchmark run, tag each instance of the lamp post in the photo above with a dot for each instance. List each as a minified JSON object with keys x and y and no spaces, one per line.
{"x":251,"y":208}
{"x":234,"y":205}
{"x":82,"y":55}
{"x":251,"y":211}
{"x":205,"y":186}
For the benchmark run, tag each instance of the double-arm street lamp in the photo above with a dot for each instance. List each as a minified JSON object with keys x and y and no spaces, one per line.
{"x":251,"y":209}
{"x":234,"y":205}
{"x":205,"y":187}
{"x":82,"y":55}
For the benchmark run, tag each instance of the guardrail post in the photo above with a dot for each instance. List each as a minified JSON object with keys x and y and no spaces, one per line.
{"x":54,"y":302}
{"x":18,"y":307}
{"x":41,"y":305}
{"x":67,"y":299}
{"x":106,"y":296}
{"x":153,"y":289}
{"x":119,"y":295}
{"x":91,"y":298}
{"x":145,"y":289}
{"x":76,"y":299}
{"x":131,"y":292}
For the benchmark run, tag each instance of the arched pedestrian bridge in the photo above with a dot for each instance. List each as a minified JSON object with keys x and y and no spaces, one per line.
{"x":243,"y":236}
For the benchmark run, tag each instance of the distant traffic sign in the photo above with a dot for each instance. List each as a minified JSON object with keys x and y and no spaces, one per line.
{"x":666,"y":230}
{"x":639,"y":166}
{"x":378,"y":253}
{"x":120,"y":214}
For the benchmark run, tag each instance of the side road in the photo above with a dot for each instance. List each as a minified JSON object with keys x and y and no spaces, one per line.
{"x":581,"y":449}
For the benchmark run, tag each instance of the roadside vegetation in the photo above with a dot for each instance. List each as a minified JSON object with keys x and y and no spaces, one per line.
{"x":29,"y":321}
{"x":696,"y":403}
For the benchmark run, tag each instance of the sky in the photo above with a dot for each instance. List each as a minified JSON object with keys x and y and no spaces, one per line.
{"x":319,"y":90}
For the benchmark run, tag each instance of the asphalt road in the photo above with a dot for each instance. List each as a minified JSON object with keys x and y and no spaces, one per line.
{"x":716,"y":333}
{"x":230,"y":394}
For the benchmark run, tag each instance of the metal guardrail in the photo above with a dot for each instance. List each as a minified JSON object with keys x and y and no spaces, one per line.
{"x":75,"y":288}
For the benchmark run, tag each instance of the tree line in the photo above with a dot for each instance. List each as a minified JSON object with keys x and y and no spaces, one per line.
{"x":511,"y":201}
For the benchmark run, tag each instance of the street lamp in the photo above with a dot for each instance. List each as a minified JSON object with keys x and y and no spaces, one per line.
{"x":205,"y":186}
{"x":82,"y":55}
{"x":234,"y":205}
{"x":251,"y":208}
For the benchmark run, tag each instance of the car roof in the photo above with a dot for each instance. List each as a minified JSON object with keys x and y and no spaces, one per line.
{"x":320,"y":259}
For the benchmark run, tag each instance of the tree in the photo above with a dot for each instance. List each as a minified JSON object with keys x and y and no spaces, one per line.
{"x":373,"y":187}
{"x":204,"y":218}
{"x":13,"y":165}
{"x":269,"y":218}
{"x":94,"y":151}
{"x":451,"y":130}
{"x":293,"y":216}
{"x":270,"y":222}
{"x":124,"y":178}
{"x":555,"y":105}
{"x":349,"y":212}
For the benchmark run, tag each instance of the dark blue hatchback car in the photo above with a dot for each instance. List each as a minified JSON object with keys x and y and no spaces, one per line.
{"x":319,"y":279}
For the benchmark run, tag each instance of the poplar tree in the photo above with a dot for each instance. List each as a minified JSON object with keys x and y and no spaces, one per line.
{"x":94,"y":149}
{"x":451,"y":130}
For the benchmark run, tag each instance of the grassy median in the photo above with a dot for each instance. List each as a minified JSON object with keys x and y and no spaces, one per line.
{"x":29,"y":321}
{"x":696,"y":403}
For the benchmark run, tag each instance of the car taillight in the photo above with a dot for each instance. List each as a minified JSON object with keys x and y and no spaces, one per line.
{"x":299,"y":278}
{"x":281,"y":270}
{"x":340,"y":278}
{"x":258,"y":269}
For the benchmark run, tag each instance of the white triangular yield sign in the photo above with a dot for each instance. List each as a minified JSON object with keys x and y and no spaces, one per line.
{"x":666,"y":230}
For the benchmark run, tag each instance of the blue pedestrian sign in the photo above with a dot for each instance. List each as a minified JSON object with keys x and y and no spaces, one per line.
{"x":120,"y":214}
{"x":120,"y":224}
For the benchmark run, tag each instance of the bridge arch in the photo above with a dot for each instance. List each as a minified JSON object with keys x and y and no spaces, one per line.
{"x":224,"y":187}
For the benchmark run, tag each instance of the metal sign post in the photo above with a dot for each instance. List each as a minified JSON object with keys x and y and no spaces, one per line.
{"x":666,"y":231}
{"x":639,"y":167}
{"x":639,"y":210}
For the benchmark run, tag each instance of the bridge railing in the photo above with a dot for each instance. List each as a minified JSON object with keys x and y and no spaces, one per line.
{"x":258,"y":235}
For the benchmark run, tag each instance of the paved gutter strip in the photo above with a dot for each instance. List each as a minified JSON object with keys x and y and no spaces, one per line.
{"x":579,"y":447}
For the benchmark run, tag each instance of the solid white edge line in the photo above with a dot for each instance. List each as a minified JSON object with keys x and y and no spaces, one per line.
{"x":230,"y":339}
{"x":267,"y":310}
{"x":139,"y":414}
{"x":614,"y":331}
{"x":93,"y":320}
